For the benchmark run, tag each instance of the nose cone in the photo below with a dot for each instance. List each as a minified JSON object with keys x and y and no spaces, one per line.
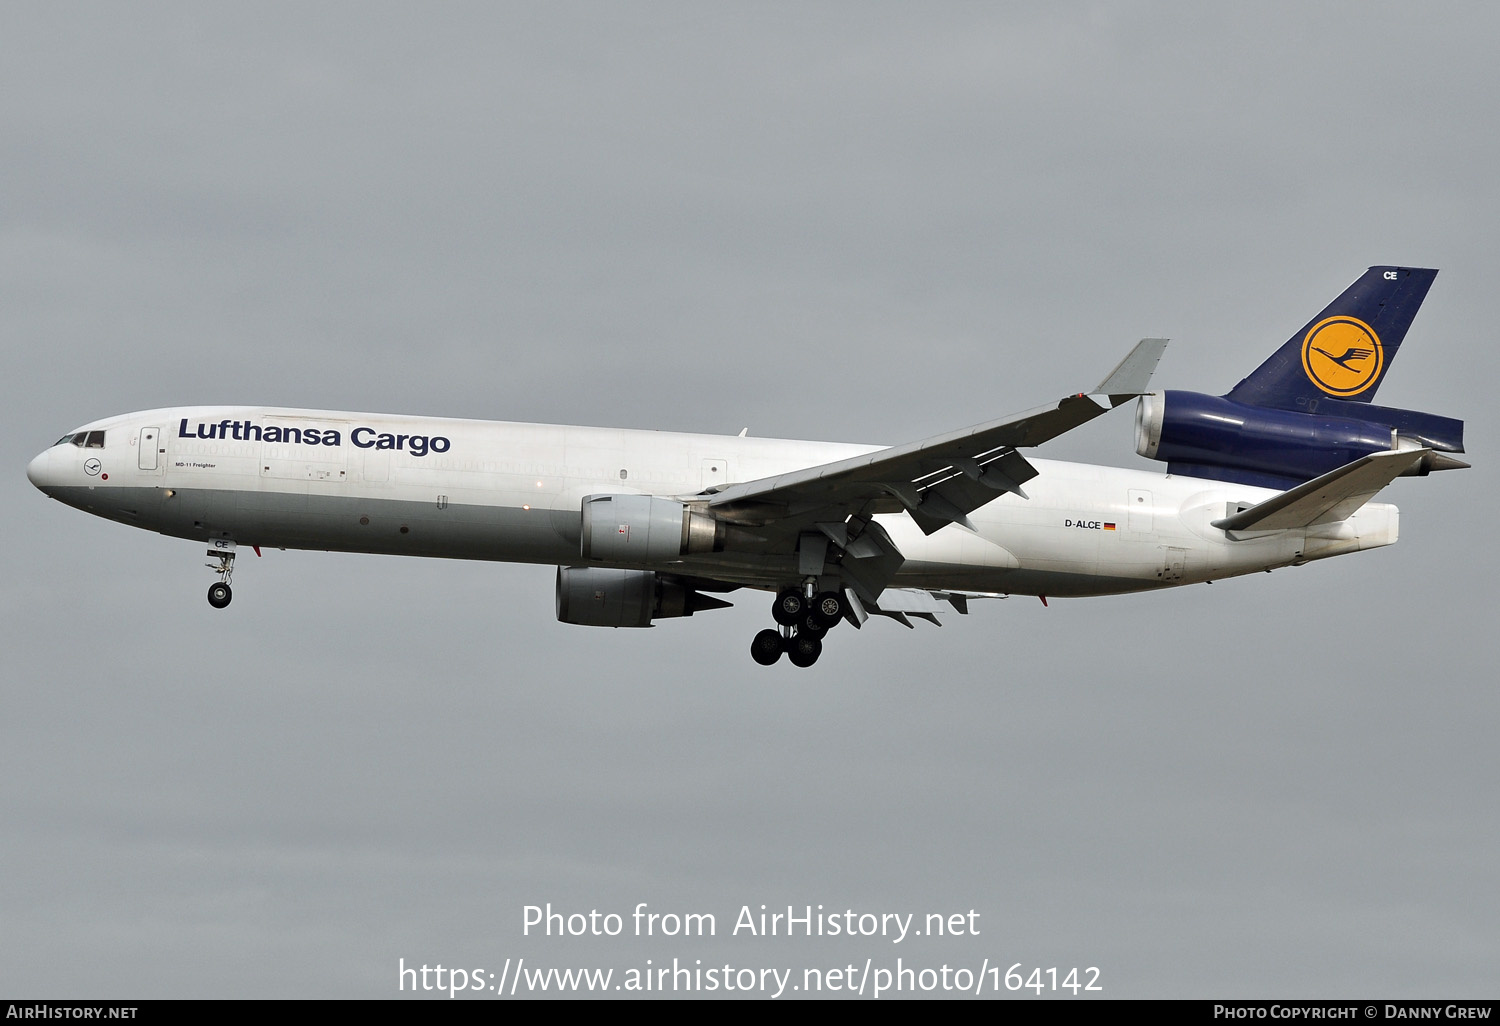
{"x":40,"y":472}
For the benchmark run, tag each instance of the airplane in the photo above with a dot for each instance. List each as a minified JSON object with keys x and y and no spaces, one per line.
{"x":646,"y":525}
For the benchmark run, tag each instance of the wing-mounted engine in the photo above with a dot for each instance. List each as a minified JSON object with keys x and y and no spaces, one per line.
{"x":1215,"y":437}
{"x":604,"y":597}
{"x":645,"y":529}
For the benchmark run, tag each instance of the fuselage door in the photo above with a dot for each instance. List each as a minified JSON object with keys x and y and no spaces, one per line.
{"x":148,"y":444}
{"x":304,"y":449}
{"x":1173,"y":564}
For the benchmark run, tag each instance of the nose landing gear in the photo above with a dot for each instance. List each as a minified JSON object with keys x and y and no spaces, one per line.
{"x":222,"y":552}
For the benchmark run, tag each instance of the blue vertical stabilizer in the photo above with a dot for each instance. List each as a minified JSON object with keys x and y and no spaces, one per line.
{"x":1344,"y":352}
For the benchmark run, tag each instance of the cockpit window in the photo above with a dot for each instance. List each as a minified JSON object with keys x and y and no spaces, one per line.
{"x":83,"y":439}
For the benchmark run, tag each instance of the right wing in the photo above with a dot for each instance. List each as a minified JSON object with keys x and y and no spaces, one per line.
{"x":939,"y":480}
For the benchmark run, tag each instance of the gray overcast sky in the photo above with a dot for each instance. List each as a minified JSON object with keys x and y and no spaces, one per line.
{"x":862,"y":222}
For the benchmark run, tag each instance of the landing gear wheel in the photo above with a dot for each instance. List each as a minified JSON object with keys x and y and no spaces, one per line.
{"x":812,"y":626}
{"x":828,"y":608}
{"x":804,"y":649}
{"x":219,"y":595}
{"x":789,"y":608}
{"x":767,"y":647}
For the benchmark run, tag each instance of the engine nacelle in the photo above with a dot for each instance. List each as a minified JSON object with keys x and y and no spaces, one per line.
{"x":645,"y":529}
{"x":1210,"y":436}
{"x":603,"y":597}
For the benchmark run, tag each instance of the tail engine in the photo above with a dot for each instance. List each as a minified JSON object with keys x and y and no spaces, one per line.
{"x":1215,"y":437}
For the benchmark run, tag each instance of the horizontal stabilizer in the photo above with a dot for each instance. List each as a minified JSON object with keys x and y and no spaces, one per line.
{"x":1328,"y":499}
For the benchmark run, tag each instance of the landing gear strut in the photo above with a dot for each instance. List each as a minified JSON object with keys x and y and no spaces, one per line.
{"x":222,"y":552}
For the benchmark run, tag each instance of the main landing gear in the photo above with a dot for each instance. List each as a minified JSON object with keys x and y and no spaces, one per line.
{"x":222,"y":552}
{"x":803,"y":622}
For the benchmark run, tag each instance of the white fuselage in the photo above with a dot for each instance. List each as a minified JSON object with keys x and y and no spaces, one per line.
{"x":512,"y":492}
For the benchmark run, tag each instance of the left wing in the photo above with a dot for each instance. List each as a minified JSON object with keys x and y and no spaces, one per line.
{"x":939,"y":480}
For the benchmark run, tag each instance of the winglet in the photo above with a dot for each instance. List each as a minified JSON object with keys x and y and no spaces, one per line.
{"x":1132,"y":377}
